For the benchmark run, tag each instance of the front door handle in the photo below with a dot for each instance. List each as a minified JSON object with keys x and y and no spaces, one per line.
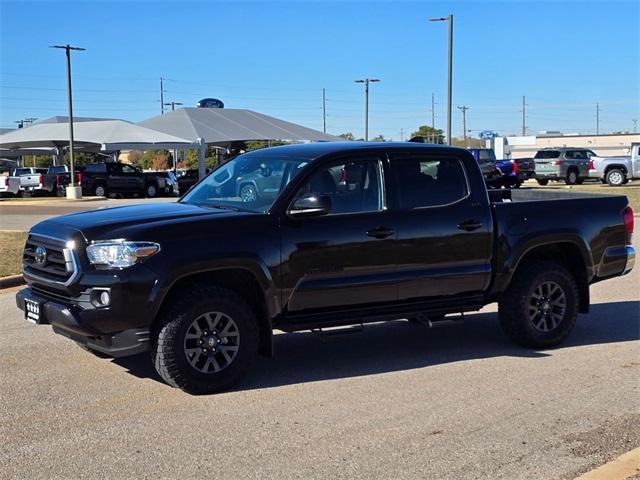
{"x":470,"y":225}
{"x":380,"y":232}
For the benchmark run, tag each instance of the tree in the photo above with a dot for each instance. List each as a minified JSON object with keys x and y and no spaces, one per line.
{"x":471,"y":142}
{"x":160,"y":162}
{"x":347,"y":136}
{"x":379,"y":138}
{"x":431,"y":135}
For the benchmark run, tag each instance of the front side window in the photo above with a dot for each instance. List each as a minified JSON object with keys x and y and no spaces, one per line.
{"x":429,"y":182}
{"x":129,"y":169}
{"x":250,"y":182}
{"x":352,"y":186}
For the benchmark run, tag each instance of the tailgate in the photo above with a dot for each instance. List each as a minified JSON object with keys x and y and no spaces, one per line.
{"x":30,"y":180}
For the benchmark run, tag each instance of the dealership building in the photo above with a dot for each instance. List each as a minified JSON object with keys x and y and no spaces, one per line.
{"x":604,"y":145}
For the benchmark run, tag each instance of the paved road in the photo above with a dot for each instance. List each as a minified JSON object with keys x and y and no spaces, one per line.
{"x":396,"y":401}
{"x":23,"y":215}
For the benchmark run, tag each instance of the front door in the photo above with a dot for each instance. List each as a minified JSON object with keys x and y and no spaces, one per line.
{"x":444,"y":227}
{"x":344,"y":258}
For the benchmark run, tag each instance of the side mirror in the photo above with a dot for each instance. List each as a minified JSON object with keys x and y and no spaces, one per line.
{"x":310,"y":205}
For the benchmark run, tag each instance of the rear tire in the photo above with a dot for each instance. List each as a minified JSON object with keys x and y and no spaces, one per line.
{"x":100,"y":190}
{"x":615,"y":177}
{"x":189,"y":347}
{"x":540,"y":307}
{"x":542,"y":181}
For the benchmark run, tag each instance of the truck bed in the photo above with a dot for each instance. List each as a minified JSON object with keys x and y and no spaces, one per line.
{"x":592,"y":222}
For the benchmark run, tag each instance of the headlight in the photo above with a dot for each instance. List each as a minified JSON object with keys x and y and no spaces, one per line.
{"x":119,"y":253}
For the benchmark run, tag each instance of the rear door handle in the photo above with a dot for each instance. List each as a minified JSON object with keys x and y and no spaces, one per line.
{"x":380,"y":232}
{"x":470,"y":225}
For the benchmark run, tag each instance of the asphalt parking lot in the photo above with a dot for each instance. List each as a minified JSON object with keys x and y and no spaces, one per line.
{"x":395,"y":401}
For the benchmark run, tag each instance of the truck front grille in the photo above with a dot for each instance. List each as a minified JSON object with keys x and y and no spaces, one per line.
{"x":48,"y":259}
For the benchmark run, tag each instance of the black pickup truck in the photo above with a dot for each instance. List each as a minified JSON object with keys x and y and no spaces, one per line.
{"x":58,"y":177}
{"x":106,"y":178}
{"x":357,"y":232}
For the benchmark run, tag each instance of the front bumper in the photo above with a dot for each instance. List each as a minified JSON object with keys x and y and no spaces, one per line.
{"x":69,"y":321}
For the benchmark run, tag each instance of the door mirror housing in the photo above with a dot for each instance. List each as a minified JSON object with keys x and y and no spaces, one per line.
{"x":310,"y":205}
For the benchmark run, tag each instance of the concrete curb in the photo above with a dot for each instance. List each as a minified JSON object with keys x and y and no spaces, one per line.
{"x":11,"y":281}
{"x":49,"y":201}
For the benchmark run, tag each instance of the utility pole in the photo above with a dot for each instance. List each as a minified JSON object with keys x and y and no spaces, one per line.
{"x":366,"y":82}
{"x":173,"y":105}
{"x":464,"y":109}
{"x":449,"y":20}
{"x":597,"y":118}
{"x":161,"y":97}
{"x":635,"y":125}
{"x":524,"y":126}
{"x":324,"y":111}
{"x":72,"y":191}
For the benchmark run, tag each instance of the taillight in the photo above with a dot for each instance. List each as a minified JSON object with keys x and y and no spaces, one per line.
{"x":591,"y":167}
{"x":627,"y":215}
{"x":58,"y":179}
{"x":40,"y":179}
{"x":515,"y":166}
{"x":79,"y":178}
{"x":556,"y":163}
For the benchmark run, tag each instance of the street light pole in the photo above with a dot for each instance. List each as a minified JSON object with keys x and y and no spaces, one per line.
{"x":366,"y":82}
{"x":173,"y":105}
{"x":635,"y":125}
{"x":72,"y":190}
{"x":449,"y":20}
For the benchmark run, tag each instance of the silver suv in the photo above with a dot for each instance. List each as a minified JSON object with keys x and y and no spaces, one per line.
{"x":563,"y":163}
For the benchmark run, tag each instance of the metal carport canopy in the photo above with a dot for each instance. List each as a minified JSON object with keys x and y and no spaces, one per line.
{"x":225,"y":125}
{"x":108,"y":135}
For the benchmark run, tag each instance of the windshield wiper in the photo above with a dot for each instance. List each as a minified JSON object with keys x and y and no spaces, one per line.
{"x":222,"y":207}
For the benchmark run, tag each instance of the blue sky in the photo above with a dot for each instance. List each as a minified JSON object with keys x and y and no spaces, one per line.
{"x":275,"y":57}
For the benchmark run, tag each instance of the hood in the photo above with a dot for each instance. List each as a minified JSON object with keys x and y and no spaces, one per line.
{"x":117,"y":221}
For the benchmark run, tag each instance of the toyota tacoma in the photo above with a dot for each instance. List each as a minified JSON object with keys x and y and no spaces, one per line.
{"x":356,"y":232}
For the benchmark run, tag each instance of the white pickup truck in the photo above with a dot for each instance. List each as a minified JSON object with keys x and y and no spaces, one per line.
{"x":9,"y":184}
{"x":616,"y":171}
{"x":30,"y":179}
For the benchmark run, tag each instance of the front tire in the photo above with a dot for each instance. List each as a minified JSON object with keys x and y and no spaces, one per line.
{"x":540,"y":307}
{"x":205,"y":341}
{"x":248,"y":193}
{"x":615,"y":177}
{"x":151,"y":190}
{"x":571,"y":178}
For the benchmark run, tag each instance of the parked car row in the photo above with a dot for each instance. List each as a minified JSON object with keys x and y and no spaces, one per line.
{"x":99,"y":179}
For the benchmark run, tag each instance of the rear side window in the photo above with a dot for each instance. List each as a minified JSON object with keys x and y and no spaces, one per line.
{"x":548,"y":154}
{"x":429,"y":182}
{"x":486,"y":156}
{"x":96,"y":167}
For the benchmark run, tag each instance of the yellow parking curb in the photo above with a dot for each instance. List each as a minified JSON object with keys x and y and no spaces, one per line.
{"x":622,"y":467}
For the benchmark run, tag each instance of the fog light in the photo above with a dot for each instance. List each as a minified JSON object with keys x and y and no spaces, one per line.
{"x":104,"y":299}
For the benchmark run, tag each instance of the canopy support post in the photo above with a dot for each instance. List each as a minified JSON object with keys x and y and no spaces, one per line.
{"x":202,"y":168}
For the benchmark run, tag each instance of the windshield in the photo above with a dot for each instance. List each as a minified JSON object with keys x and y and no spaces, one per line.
{"x":249,"y":182}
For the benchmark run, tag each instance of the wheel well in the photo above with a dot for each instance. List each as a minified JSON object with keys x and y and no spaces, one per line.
{"x":616,"y":167}
{"x":243,"y":283}
{"x":570,"y":256}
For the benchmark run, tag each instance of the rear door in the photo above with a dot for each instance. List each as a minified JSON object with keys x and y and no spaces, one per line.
{"x":133,"y":178}
{"x":444,"y":226}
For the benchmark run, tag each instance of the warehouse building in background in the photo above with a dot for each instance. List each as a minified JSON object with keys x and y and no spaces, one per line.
{"x":604,"y":145}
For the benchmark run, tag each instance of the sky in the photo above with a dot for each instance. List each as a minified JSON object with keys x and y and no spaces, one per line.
{"x":276,"y":57}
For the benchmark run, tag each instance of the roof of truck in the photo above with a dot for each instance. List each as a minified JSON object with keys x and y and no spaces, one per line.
{"x":314,"y":150}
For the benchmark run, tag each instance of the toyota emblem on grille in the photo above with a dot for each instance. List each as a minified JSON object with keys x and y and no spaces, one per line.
{"x":41,"y":255}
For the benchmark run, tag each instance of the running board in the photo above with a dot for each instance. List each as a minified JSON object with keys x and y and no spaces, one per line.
{"x":446,"y":322}
{"x":336,"y":331}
